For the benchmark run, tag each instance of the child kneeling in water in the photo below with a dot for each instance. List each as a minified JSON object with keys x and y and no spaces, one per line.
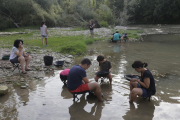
{"x":63,"y":75}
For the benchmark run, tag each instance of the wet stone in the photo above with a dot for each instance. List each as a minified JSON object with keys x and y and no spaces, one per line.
{"x":3,"y":90}
{"x":23,"y":87}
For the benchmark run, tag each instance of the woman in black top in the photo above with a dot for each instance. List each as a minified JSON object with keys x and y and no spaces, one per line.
{"x":145,"y":87}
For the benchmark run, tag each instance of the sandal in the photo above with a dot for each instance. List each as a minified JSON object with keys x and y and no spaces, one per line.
{"x":24,"y":72}
{"x":28,"y":69}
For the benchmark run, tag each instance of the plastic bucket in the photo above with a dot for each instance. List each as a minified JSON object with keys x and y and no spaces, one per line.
{"x":48,"y":60}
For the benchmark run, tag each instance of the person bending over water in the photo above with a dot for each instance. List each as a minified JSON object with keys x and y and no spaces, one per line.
{"x":18,"y":55}
{"x":104,"y":66}
{"x":145,"y":87}
{"x":78,"y":81}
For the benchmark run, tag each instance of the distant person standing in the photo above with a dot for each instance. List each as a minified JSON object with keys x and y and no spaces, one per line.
{"x":44,"y":33}
{"x":91,"y":26}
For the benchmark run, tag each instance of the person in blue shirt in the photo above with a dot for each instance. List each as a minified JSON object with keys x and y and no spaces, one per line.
{"x":116,"y":37}
{"x":78,"y":81}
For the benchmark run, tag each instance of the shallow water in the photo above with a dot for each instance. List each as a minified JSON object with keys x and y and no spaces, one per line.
{"x":49,"y":99}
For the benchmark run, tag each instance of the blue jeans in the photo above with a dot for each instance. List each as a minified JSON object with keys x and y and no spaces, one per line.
{"x":144,"y":94}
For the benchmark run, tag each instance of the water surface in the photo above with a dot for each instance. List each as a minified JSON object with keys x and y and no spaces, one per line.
{"x":49,"y":99}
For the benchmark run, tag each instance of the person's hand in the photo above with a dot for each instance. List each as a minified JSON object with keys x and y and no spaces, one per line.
{"x":134,"y":80}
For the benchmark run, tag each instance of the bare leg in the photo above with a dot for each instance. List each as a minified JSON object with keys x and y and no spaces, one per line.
{"x":110,"y":78}
{"x":46,"y":41}
{"x":134,"y":93}
{"x":22,"y":61}
{"x":97,"y":90}
{"x":96,"y":78}
{"x":93,"y":35}
{"x":43,"y":41}
{"x":133,"y":85}
{"x":27,"y":59}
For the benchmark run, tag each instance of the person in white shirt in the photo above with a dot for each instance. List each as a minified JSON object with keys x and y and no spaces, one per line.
{"x":18,"y":55}
{"x":44,"y":33}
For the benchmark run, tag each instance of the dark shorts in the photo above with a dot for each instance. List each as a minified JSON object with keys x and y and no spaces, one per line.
{"x":92,"y":32}
{"x":15,"y":60}
{"x":81,"y":88}
{"x":63,"y":77}
{"x":44,"y":36}
{"x":144,"y":94}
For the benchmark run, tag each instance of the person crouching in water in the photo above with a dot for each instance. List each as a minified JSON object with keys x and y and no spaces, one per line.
{"x":104,"y":66}
{"x":78,"y":81}
{"x":145,"y":87}
{"x":116,"y":37}
{"x":64,"y":75}
{"x":125,"y":37}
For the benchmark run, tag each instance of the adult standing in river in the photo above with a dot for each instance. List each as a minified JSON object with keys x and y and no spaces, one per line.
{"x":78,"y":81}
{"x":145,"y":87}
{"x":91,"y":27}
{"x":44,"y":33}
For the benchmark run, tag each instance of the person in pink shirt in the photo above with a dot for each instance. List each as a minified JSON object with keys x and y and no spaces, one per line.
{"x":63,"y":75}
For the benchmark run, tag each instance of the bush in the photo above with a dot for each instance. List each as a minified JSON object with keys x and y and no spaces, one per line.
{"x":74,"y":48}
{"x":104,"y":24}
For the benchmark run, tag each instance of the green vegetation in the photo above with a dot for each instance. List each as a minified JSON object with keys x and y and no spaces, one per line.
{"x":77,"y":13}
{"x":131,"y":33}
{"x":64,"y":44}
{"x":104,"y":24}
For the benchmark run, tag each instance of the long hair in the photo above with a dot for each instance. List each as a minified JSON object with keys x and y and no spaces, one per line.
{"x":42,"y":23}
{"x":138,"y":64}
{"x":16,"y":43}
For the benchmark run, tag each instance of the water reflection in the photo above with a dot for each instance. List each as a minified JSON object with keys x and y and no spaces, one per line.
{"x":116,"y":48}
{"x":77,"y":111}
{"x":144,"y":110}
{"x":65,"y":93}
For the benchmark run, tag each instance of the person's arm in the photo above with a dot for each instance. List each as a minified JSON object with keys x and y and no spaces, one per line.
{"x":99,"y":68}
{"x":19,"y":52}
{"x":145,"y":84}
{"x":85,"y":79}
{"x":24,"y":54}
{"x":110,"y":69}
{"x":47,"y":31}
{"x":90,"y":26}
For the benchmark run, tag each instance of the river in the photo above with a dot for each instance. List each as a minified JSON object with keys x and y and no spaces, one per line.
{"x":49,"y":99}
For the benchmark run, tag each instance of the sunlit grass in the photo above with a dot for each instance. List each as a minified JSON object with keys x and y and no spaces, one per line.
{"x":71,"y":43}
{"x":64,"y":44}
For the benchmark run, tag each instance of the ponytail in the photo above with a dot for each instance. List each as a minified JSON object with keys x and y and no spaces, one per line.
{"x":145,"y":64}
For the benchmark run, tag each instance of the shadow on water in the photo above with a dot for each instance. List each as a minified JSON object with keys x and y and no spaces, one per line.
{"x":139,"y":111}
{"x":77,"y":111}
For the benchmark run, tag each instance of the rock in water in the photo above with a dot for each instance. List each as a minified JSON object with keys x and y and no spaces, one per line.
{"x":3,"y":90}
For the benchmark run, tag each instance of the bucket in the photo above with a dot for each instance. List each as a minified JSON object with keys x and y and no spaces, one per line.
{"x":48,"y":60}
